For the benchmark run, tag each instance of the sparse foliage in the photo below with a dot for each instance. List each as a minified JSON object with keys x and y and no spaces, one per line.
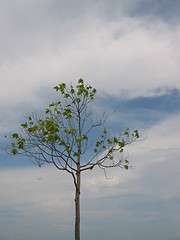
{"x":65,"y":135}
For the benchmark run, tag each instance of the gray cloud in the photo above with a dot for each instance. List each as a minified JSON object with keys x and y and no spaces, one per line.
{"x":164,"y":9}
{"x":142,"y":199}
{"x":120,"y":53}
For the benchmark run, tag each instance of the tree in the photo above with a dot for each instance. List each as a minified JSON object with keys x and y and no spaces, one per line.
{"x":64,"y":136}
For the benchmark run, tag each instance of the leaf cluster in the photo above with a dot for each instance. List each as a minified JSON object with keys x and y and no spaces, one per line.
{"x":112,"y":145}
{"x":63,"y":133}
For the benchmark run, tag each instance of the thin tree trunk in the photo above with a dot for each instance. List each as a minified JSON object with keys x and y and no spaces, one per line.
{"x":77,"y":207}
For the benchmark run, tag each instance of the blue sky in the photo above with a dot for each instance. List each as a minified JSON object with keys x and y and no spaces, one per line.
{"x":129,"y":51}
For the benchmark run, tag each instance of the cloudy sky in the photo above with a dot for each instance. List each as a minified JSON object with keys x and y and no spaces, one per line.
{"x":129,"y":51}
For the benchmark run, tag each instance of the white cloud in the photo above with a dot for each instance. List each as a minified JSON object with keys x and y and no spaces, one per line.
{"x":133,"y":55}
{"x":127,"y":58}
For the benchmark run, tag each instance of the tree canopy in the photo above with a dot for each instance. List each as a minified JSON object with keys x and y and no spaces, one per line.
{"x":64,"y":132}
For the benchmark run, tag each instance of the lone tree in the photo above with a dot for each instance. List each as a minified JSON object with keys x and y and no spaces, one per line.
{"x":64,"y":135}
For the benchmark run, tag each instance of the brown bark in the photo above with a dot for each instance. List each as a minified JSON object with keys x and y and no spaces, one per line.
{"x":77,"y":208}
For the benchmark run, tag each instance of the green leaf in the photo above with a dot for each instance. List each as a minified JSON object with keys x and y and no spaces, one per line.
{"x":94,"y":90}
{"x":84,"y":137}
{"x":136,"y":133}
{"x":66,"y":95}
{"x":109,"y":141}
{"x":122,"y":143}
{"x":76,"y":154}
{"x":72,"y":91}
{"x":78,"y":139}
{"x":14,"y":151}
{"x":52,"y":104}
{"x":32,"y":129}
{"x":62,"y":86}
{"x":47,"y":111}
{"x":80,"y":91}
{"x":98,"y":143}
{"x":126,"y":132}
{"x":73,"y":130}
{"x":15,"y":136}
{"x":56,"y":88}
{"x":78,"y":100}
{"x":24,"y":125}
{"x":80,"y":81}
{"x":62,"y":143}
{"x":21,"y":143}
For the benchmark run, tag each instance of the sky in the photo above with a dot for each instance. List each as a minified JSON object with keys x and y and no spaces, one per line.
{"x":129,"y":51}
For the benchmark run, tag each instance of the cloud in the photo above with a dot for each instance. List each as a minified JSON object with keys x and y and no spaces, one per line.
{"x":160,"y":9}
{"x":128,"y":58}
{"x":31,"y":201}
{"x":127,"y":50}
{"x":120,"y":56}
{"x":145,"y":195}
